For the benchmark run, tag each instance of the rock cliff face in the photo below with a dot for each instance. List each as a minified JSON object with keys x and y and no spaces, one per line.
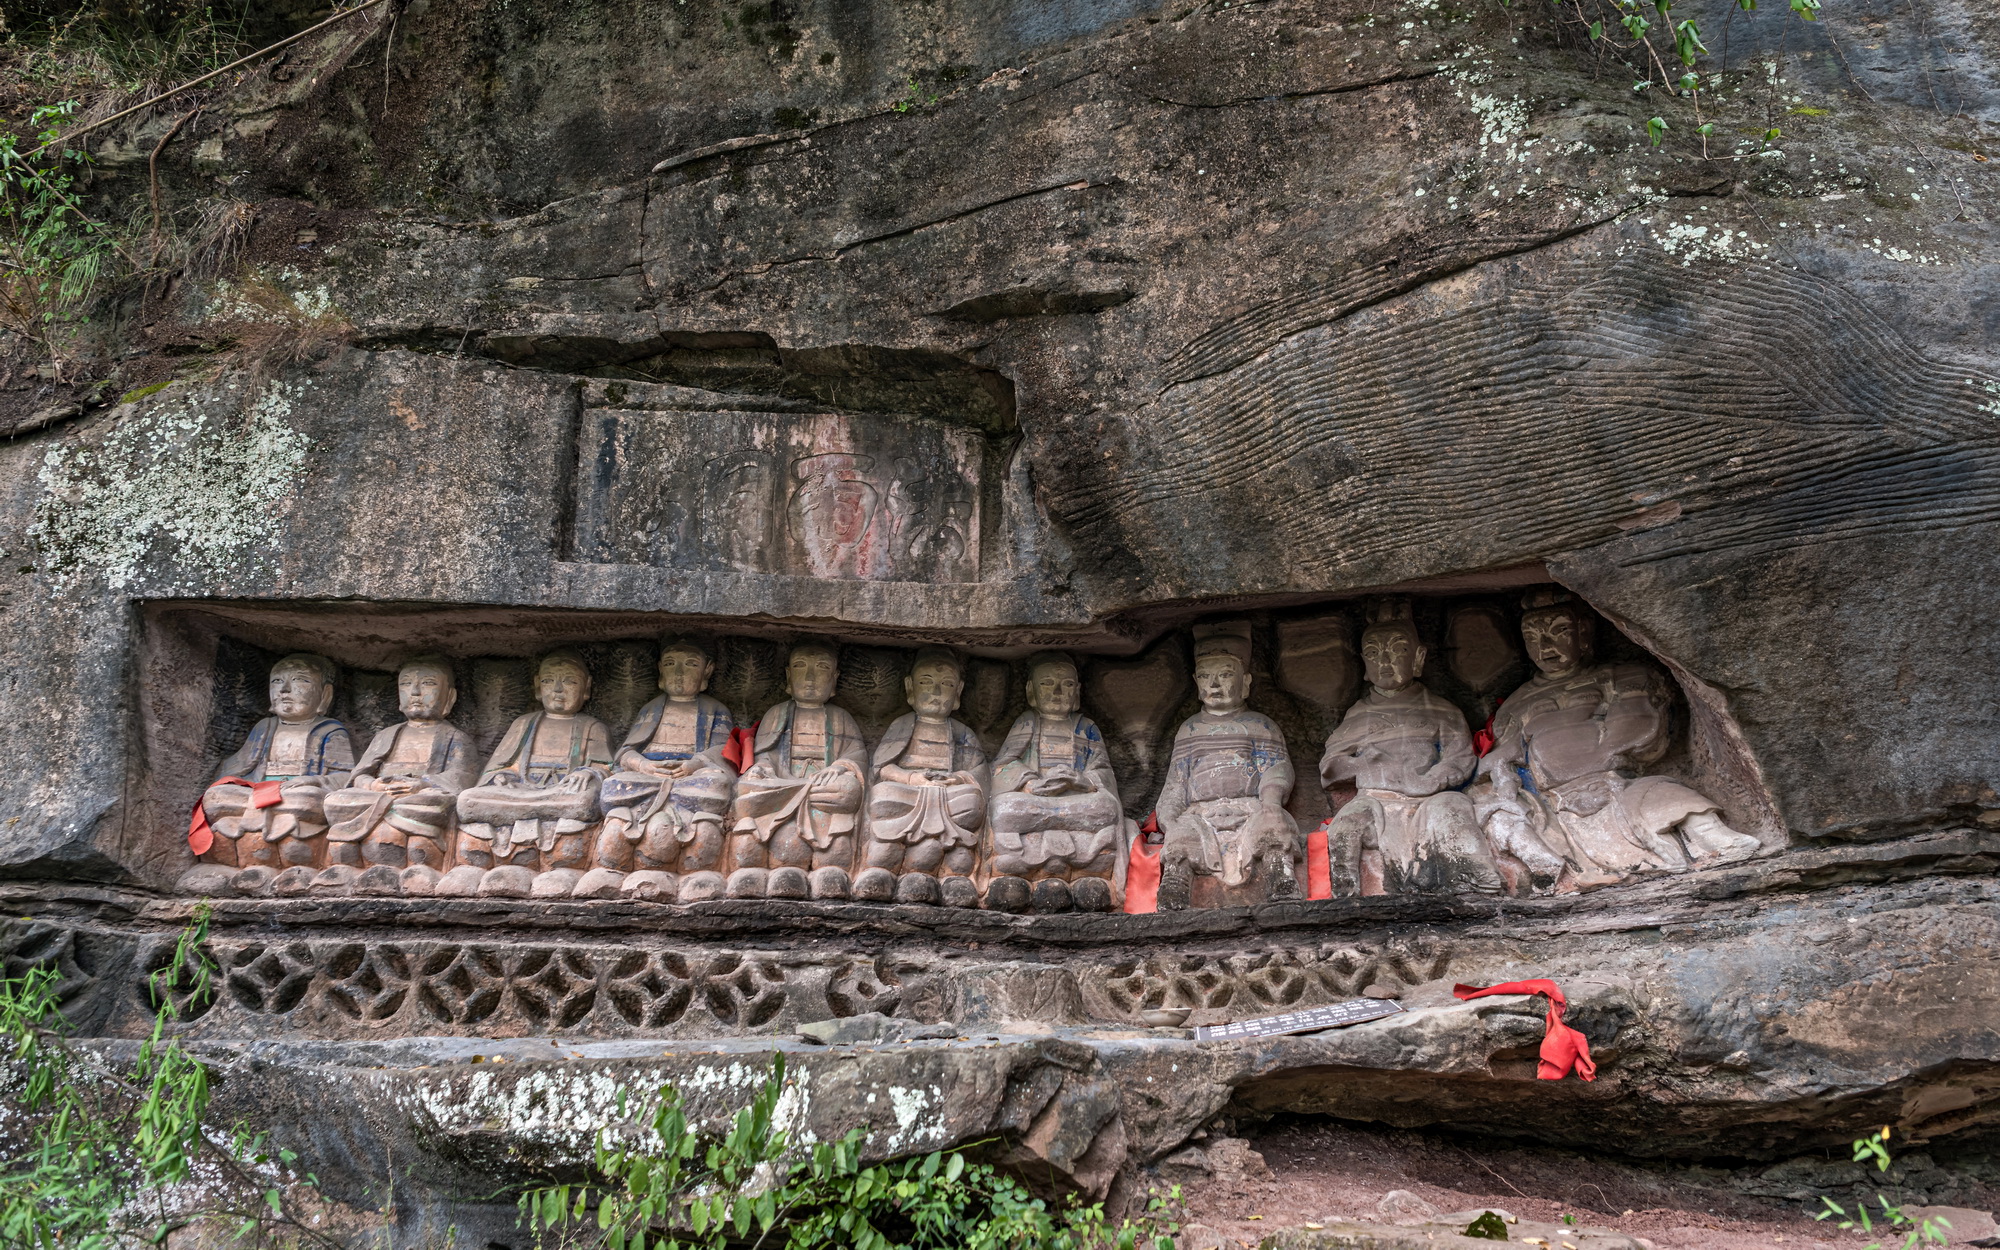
{"x":1029,"y":325}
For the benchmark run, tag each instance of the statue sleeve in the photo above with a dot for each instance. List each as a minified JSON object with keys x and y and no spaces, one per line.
{"x":851,"y":746}
{"x":1455,"y":758}
{"x":378,"y":750}
{"x":459,"y":769}
{"x":509,"y":750}
{"x":1096,"y":759}
{"x":597,"y":746}
{"x":1008,"y":767}
{"x":248,"y":756}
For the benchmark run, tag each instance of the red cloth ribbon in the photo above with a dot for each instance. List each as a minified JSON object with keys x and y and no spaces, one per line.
{"x":262,"y":794}
{"x":1319,"y":863}
{"x":1142,"y":871}
{"x":741,"y":747}
{"x":1483,"y":739}
{"x":1563,"y":1048}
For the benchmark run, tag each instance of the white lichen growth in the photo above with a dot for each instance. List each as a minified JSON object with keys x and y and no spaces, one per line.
{"x":1693,"y":241}
{"x":1991,"y":406}
{"x":208,"y":480}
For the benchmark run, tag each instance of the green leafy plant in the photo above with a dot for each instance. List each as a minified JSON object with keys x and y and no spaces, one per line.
{"x":52,"y":254}
{"x":668,"y":1186}
{"x":1926,"y":1231}
{"x":1659,"y":42}
{"x":94,"y":1169}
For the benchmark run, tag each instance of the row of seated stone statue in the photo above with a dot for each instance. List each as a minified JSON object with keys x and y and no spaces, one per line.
{"x":687,"y":807}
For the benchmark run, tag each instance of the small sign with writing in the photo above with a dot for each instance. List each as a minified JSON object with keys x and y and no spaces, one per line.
{"x":1311,"y":1020}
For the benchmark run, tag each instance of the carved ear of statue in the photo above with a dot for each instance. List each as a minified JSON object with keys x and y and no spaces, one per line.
{"x":1418,"y":654}
{"x":450,"y":698}
{"x":325,"y":703}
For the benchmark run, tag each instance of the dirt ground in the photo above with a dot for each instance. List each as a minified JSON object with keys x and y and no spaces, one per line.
{"x":1321,"y":1172}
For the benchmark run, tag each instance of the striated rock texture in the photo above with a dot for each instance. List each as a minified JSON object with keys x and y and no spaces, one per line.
{"x":1097,"y":318}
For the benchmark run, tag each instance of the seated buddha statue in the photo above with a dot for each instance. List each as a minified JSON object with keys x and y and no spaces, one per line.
{"x":389,"y":831}
{"x":664,"y":808}
{"x":927,"y":799}
{"x":538,"y":794}
{"x":1583,"y":735}
{"x":1408,"y":829}
{"x":1057,"y":829}
{"x":799,"y":801}
{"x":265,"y":810}
{"x":1222,"y":807}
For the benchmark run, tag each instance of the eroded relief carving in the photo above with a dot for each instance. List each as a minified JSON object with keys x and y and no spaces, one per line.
{"x":1581,"y":734}
{"x":846,"y":496}
{"x":881,"y":778}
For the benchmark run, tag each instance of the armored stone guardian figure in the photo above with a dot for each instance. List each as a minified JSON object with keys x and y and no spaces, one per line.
{"x":1583,"y":733}
{"x":1407,"y":830}
{"x":538,"y":795}
{"x":665,"y":806}
{"x":265,"y":810}
{"x":798,"y":803}
{"x":390,"y":830}
{"x":1222,"y":807}
{"x":1057,"y":828}
{"x":927,"y":799}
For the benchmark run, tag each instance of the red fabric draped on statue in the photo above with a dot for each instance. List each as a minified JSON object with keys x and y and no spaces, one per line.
{"x":1563,"y":1048}
{"x":1319,"y":864}
{"x":1142,"y":871}
{"x":262,"y":794}
{"x":741,"y":748}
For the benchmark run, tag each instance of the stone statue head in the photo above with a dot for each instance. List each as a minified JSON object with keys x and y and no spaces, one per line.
{"x":1222,"y":673}
{"x":1053,"y":686}
{"x":811,"y":671}
{"x":426,"y":689}
{"x":685,"y":667}
{"x":1556,"y":631}
{"x":937,"y":678}
{"x":562,"y":683}
{"x":1392,"y":655}
{"x":301,"y":686}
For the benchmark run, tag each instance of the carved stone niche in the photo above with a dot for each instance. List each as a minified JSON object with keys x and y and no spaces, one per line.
{"x":427,"y":730}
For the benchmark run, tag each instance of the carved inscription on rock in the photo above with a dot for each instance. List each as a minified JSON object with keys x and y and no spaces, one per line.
{"x":814,"y":495}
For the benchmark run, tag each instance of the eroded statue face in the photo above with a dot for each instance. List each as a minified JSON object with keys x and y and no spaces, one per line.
{"x":1222,"y":683}
{"x":425,"y":692}
{"x":810,"y":675}
{"x":933,"y":689}
{"x":1556,"y":641}
{"x":562,"y":689}
{"x":684,"y":672}
{"x":298,"y":692}
{"x":1391,"y":658}
{"x":1053,"y":689}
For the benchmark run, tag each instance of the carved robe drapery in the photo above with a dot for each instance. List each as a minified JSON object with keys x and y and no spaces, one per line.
{"x":951,"y":811}
{"x":777,"y":794}
{"x":680,"y":802}
{"x":1406,"y":830}
{"x":521,"y":799}
{"x":1219,"y":767}
{"x":452,"y":768}
{"x":1069,"y":828}
{"x":326,"y":756}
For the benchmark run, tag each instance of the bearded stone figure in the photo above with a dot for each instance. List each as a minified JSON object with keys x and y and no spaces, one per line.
{"x":265,"y":811}
{"x":664,"y":808}
{"x":1583,"y":734}
{"x":527,"y":817}
{"x":799,"y":801}
{"x":390,"y":829}
{"x":927,"y":799}
{"x":1057,"y":827}
{"x":1223,"y":805}
{"x":1407,"y":830}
